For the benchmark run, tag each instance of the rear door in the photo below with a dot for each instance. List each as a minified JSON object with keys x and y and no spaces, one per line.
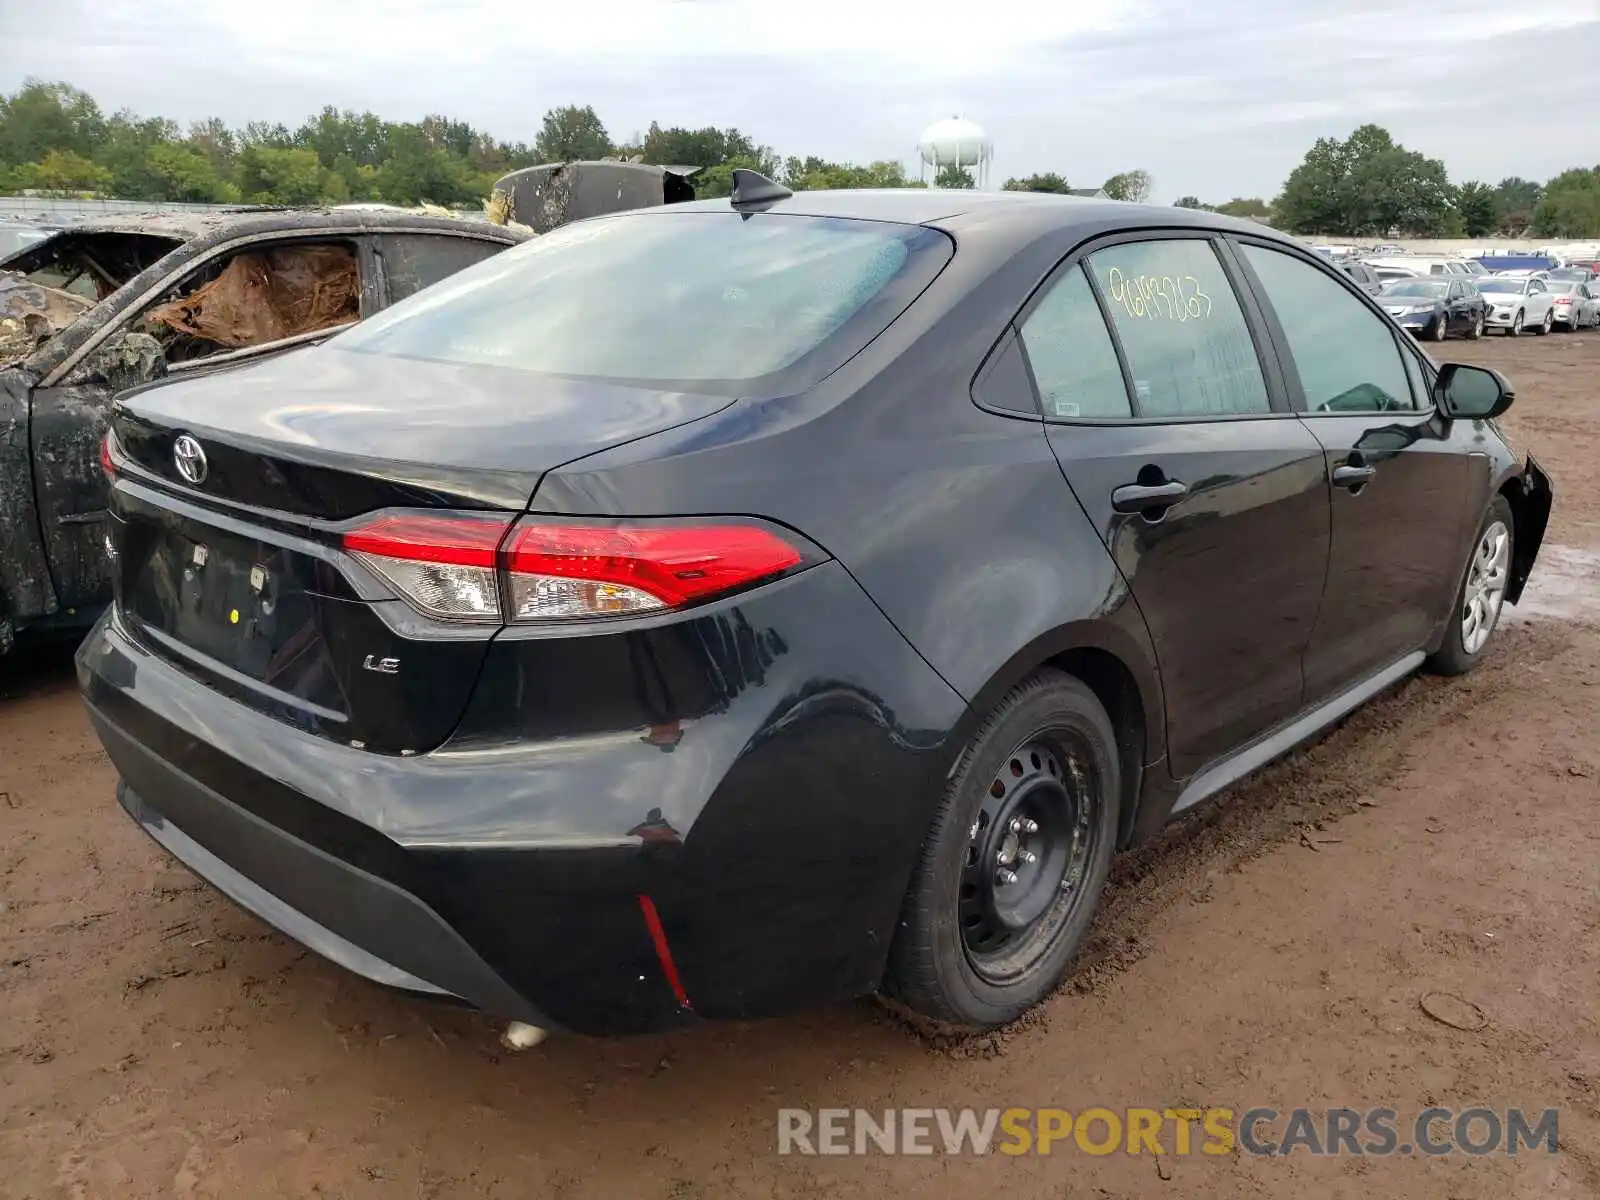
{"x":1398,"y":483}
{"x":1177,"y":440}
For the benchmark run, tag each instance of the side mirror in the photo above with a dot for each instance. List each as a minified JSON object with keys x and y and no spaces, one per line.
{"x":1472,"y":393}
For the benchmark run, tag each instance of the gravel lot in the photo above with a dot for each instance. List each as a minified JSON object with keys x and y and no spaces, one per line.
{"x":1271,"y":950}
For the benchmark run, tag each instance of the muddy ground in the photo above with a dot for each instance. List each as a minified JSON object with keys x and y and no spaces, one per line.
{"x":1272,"y":950}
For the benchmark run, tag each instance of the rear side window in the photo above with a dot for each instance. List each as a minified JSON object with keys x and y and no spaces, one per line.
{"x":711,"y":301}
{"x":413,"y":261}
{"x":1346,"y":354}
{"x":1188,"y":348}
{"x":1074,"y":363}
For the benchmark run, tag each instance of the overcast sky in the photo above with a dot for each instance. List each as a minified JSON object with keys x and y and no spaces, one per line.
{"x":1215,"y":98}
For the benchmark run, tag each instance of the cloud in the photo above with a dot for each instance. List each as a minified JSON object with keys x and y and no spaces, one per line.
{"x":1216,"y":100}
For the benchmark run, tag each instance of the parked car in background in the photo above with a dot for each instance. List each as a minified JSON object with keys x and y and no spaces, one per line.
{"x":1499,"y":263}
{"x":1578,"y":273}
{"x":1388,"y":248}
{"x":1421,"y":264}
{"x":1574,"y":304}
{"x":1517,"y":303}
{"x":1364,"y":276}
{"x":1435,"y":308}
{"x":747,"y":604}
{"x":1387,"y":274}
{"x":105,"y":305}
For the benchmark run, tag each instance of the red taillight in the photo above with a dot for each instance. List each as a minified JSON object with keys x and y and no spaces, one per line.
{"x":107,"y":463}
{"x":461,"y":541}
{"x":560,"y":571}
{"x":444,"y":566}
{"x":458,"y":566}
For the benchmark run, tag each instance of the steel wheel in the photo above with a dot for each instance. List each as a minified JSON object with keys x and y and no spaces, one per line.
{"x":1027,"y":853}
{"x":1485,"y":592}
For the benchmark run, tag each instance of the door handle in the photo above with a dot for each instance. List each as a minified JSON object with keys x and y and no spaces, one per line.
{"x":1353,"y":476}
{"x":1143,"y":497}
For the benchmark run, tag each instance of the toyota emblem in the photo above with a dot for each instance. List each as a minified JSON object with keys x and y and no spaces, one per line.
{"x":190,"y":458}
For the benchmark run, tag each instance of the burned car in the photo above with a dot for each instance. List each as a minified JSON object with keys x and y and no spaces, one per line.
{"x":541,"y":198}
{"x":103,"y":306}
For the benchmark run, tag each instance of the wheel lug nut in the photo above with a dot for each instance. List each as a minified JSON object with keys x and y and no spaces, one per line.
{"x":1029,"y":825}
{"x":1004,"y":876}
{"x":1028,"y":856}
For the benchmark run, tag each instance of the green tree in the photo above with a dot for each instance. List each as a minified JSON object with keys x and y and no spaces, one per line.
{"x":40,"y":117}
{"x":1047,"y":182}
{"x":1191,"y":202}
{"x":1241,"y":206}
{"x":570,"y":134}
{"x":62,"y":173}
{"x":1129,"y":185}
{"x":1515,"y":199}
{"x":418,"y":172}
{"x":180,"y":172}
{"x":1367,"y":185}
{"x":1476,"y":204}
{"x":275,"y":175}
{"x":704,"y":148}
{"x":953,"y":175}
{"x":1570,"y":206}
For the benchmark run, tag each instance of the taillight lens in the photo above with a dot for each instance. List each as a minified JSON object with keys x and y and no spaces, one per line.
{"x":443,"y":565}
{"x":557,"y":572}
{"x":108,"y":464}
{"x":462,"y":567}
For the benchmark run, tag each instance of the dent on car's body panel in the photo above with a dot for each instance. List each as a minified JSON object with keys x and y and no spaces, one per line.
{"x":759,"y":773}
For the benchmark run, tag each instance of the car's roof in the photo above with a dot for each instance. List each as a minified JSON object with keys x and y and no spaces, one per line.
{"x":947,"y":208}
{"x":187,"y":225}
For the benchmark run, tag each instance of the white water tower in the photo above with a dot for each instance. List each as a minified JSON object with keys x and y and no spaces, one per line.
{"x":956,"y":143}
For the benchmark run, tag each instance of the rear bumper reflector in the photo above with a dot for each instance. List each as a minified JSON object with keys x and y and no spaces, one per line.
{"x":658,"y":935}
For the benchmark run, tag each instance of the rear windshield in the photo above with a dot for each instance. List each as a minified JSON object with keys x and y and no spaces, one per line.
{"x":1500,"y":285}
{"x":711,"y":301}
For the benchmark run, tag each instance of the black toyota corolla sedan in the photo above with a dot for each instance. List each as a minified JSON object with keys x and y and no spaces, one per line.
{"x":713,"y":610}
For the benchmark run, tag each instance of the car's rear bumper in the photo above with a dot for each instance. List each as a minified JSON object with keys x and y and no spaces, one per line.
{"x":394,"y":927}
{"x":749,"y":857}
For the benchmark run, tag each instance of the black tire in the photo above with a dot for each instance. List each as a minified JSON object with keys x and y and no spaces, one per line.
{"x":1048,"y":749}
{"x":1549,"y":322}
{"x":1458,"y":655}
{"x":1441,"y":327}
{"x":1476,"y":331}
{"x":1515,"y":328}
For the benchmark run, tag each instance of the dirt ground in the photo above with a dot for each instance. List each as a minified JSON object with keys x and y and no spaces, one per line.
{"x":1272,"y":950}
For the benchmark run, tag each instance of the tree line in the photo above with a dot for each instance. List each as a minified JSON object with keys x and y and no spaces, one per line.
{"x":56,"y":140}
{"x":1368,"y":185}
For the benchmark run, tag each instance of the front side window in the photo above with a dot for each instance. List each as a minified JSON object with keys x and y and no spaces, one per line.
{"x":1188,"y":347}
{"x":1346,"y":354}
{"x":708,"y":301}
{"x":1069,"y":348}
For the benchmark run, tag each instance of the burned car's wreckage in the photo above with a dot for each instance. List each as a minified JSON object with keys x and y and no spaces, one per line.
{"x":540,"y":198}
{"x":103,"y":306}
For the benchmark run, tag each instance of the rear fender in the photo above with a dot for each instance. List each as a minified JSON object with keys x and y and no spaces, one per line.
{"x":1101,"y":653}
{"x":1530,"y":495}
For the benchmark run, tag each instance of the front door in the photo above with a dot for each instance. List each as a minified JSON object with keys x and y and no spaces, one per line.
{"x":1207,"y":491}
{"x":1397,"y":484}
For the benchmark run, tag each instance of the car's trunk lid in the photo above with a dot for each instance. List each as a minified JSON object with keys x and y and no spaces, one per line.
{"x":239,"y":575}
